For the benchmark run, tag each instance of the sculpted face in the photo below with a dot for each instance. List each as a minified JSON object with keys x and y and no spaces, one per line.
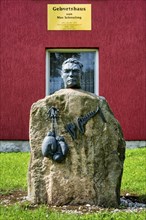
{"x":71,"y":74}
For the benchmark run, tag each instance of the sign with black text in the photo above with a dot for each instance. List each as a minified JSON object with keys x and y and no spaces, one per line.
{"x":69,"y":17}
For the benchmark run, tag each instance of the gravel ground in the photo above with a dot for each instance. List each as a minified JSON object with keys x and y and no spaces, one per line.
{"x":128,"y":204}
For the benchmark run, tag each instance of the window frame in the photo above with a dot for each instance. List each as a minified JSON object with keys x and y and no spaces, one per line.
{"x":70,"y":50}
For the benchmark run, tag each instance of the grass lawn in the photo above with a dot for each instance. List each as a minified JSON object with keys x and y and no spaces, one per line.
{"x":134,"y":176}
{"x":43,"y":213}
{"x":13,"y":168}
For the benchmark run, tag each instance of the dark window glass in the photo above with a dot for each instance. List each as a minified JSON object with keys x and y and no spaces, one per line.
{"x":86,"y":58}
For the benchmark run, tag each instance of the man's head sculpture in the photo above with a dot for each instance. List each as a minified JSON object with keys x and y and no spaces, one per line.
{"x":71,"y":73}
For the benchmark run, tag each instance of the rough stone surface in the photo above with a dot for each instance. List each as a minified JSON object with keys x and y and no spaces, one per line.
{"x":92,"y":171}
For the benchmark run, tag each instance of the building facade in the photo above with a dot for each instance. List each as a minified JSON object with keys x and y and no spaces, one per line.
{"x":117,"y":34}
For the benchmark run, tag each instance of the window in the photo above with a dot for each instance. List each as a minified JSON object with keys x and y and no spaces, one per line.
{"x":54,"y":60}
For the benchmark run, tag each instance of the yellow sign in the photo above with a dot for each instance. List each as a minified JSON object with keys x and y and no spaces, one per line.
{"x":69,"y":17}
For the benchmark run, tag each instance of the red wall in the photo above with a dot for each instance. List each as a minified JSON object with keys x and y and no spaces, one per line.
{"x":118,"y":31}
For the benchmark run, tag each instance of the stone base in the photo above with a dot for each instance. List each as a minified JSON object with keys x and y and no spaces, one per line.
{"x":92,"y":170}
{"x":14,"y":146}
{"x":23,"y":146}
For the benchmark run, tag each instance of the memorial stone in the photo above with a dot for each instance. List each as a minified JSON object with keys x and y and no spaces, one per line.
{"x":77,"y":147}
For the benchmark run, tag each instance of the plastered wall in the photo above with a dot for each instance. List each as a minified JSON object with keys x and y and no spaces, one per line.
{"x":118,"y":31}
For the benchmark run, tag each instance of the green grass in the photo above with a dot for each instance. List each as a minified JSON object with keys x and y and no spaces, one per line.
{"x":14,"y":166}
{"x":134,"y":175}
{"x":13,"y":170}
{"x":16,"y":212}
